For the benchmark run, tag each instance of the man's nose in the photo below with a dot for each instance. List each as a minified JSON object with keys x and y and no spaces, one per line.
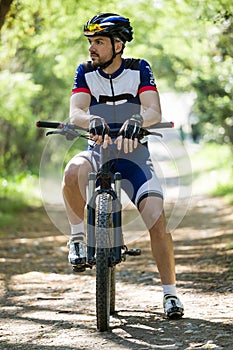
{"x":92,"y":47}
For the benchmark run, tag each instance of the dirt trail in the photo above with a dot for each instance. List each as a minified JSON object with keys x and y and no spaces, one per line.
{"x":44,"y":306}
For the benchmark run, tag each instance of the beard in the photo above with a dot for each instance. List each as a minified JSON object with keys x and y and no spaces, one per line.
{"x":97,"y":61}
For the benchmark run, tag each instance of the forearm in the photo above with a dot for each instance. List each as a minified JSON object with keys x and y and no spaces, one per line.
{"x":151,"y":116}
{"x":80,"y":118}
{"x":151,"y":109}
{"x":79,"y":109}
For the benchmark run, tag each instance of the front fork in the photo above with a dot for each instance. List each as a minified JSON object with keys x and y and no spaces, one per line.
{"x":116,"y":218}
{"x":117,"y":221}
{"x":91,"y":242}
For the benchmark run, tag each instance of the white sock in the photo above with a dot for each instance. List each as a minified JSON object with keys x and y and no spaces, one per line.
{"x":169,"y":289}
{"x":77,"y":231}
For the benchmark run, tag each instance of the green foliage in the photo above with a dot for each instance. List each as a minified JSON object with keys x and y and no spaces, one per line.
{"x":22,"y":187}
{"x":16,"y":193}
{"x":212,"y":156}
{"x":225,"y":190}
{"x":17,"y":138}
{"x":213,"y":171}
{"x":188,"y":43}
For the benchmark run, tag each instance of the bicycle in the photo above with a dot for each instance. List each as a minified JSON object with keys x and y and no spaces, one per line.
{"x":105,"y":241}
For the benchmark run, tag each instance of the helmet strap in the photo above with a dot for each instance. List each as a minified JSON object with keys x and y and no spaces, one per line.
{"x":106,"y":64}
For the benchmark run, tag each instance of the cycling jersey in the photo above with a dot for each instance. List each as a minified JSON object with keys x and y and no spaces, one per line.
{"x":115,"y":97}
{"x":132,"y":78}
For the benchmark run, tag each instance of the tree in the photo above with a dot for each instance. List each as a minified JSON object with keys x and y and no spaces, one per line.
{"x":39,"y":53}
{"x":215,"y":83}
{"x":189,"y":45}
{"x":4,"y":9}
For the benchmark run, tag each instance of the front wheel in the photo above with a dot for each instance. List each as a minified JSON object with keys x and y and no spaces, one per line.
{"x":103,"y":270}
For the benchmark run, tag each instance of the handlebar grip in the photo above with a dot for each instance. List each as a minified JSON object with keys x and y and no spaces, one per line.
{"x":52,"y":125}
{"x":161,"y":125}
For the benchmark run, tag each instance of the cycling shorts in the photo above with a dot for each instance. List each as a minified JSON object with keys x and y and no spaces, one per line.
{"x":138,"y":176}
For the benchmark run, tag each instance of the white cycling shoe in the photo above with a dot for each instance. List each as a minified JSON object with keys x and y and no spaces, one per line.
{"x":77,"y":253}
{"x":173,"y":307}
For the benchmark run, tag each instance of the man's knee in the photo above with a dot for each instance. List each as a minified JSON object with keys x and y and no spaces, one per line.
{"x":151,"y":209}
{"x":76,"y":172}
{"x":70,"y":177}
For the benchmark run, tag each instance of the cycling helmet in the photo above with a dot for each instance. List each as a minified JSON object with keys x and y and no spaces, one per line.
{"x":111,"y":25}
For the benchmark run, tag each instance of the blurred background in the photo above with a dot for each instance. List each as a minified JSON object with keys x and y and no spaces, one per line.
{"x":189,"y":45}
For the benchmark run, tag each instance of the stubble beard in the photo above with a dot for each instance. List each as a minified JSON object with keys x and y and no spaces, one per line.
{"x":97,"y":62}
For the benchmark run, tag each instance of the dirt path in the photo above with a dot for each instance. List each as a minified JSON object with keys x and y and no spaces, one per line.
{"x":44,"y":306}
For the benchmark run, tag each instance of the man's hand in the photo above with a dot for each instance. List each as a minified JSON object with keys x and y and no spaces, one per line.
{"x":129,"y":133}
{"x":99,"y":130}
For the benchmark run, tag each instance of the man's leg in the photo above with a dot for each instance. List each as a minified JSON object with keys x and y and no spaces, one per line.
{"x":151,"y":209}
{"x":74,"y":188}
{"x":74,"y":192}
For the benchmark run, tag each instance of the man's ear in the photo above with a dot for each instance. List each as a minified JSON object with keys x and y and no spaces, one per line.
{"x":118,"y":47}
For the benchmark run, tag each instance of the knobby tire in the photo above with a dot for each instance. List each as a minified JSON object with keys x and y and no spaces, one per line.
{"x":105,"y":275}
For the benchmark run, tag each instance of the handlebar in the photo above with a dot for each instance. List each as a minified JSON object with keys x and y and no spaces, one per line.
{"x":162,"y":125}
{"x":70,"y":130}
{"x":52,"y":125}
{"x":58,"y":125}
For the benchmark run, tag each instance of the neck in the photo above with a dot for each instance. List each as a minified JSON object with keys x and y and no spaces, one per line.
{"x":114,"y":66}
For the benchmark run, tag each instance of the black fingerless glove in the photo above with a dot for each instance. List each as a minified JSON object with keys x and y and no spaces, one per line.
{"x":98,"y":126}
{"x":131,"y":128}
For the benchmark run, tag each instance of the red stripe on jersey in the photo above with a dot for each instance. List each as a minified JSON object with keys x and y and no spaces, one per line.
{"x":147,"y":88}
{"x":75,"y":91}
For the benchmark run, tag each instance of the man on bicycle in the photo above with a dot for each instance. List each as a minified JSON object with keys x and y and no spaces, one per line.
{"x":112,"y":81}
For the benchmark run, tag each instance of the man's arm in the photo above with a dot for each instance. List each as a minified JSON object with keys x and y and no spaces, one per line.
{"x":79,"y":115}
{"x":151,"y":114}
{"x":79,"y":105}
{"x":151,"y":109}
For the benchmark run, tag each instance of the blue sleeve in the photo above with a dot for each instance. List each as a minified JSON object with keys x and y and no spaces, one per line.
{"x":80,"y":84}
{"x":146,"y":77}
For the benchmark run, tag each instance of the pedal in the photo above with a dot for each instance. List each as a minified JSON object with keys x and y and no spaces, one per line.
{"x":81,"y":268}
{"x":78,"y":268}
{"x":133,"y":252}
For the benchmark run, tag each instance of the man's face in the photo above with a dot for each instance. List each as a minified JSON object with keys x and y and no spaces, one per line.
{"x":100,"y":49}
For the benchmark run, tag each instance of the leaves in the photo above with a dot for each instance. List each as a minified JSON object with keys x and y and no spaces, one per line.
{"x":189,"y":45}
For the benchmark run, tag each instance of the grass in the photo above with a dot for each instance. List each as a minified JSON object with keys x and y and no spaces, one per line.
{"x":224,"y":190}
{"x":213,"y":171}
{"x":17,"y":193}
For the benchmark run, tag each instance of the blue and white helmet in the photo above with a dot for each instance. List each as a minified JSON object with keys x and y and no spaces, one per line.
{"x":111,"y":25}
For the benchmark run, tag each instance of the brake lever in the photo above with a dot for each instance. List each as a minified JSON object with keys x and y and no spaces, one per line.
{"x":51,"y":133}
{"x":155,"y":133}
{"x":70,"y":134}
{"x":145,"y":132}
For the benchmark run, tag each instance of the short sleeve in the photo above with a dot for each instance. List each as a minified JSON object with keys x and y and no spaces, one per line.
{"x":80,"y":84}
{"x":146,"y":78}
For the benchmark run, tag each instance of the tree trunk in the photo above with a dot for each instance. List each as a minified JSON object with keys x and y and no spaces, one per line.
{"x":4,"y":9}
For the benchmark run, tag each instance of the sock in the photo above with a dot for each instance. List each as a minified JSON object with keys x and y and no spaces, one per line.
{"x":169,"y":289}
{"x":77,"y":231}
